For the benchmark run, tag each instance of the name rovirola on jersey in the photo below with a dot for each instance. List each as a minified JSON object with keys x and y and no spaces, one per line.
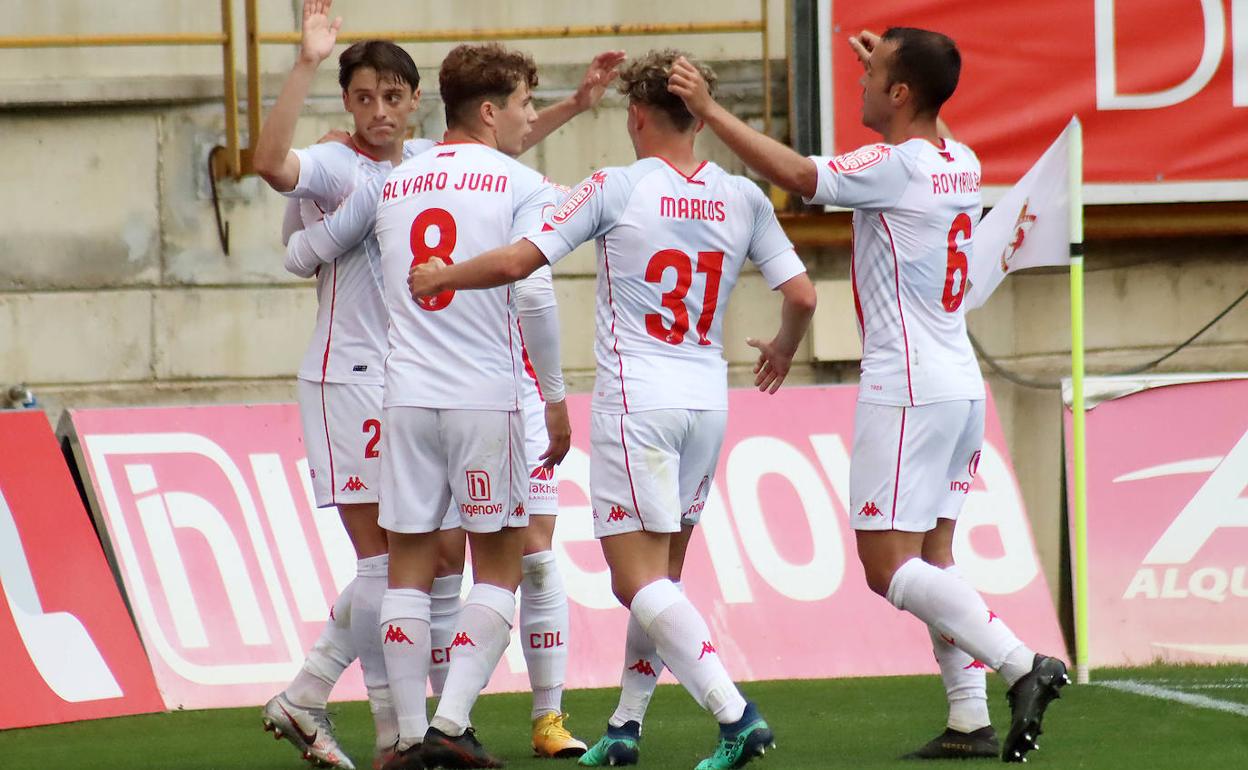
{"x":459,"y":349}
{"x":915,"y":206}
{"x":670,"y":248}
{"x":348,"y":343}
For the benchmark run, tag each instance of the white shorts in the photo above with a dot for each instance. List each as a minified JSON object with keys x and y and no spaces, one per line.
{"x":432,"y":458}
{"x":652,"y":471}
{"x":913,"y":464}
{"x":543,"y":482}
{"x":342,"y":436}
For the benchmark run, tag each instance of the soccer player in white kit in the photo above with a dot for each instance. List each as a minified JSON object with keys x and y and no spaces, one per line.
{"x":672,"y":235}
{"x":340,"y":380}
{"x":920,"y":418}
{"x":452,"y":400}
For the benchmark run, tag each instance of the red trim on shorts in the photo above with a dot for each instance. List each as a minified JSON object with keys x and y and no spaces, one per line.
{"x":687,"y":177}
{"x":897,"y":478}
{"x":606,"y":261}
{"x":905,"y":339}
{"x":627,"y":469}
{"x":511,"y":480}
{"x":329,"y":336}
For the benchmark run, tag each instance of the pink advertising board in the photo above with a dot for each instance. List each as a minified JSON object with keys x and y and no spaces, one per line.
{"x":1168,"y":524}
{"x":204,"y":491}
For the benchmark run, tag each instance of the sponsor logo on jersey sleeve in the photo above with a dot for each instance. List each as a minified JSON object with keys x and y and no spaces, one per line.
{"x":861,"y":159}
{"x":573,"y":202}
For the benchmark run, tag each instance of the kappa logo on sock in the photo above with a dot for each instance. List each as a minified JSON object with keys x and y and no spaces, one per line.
{"x":974,"y":664}
{"x":395,"y":634}
{"x":642,"y":666}
{"x":331,"y":612}
{"x":949,"y":640}
{"x":354,"y":485}
{"x":870,"y":509}
{"x":992,"y":616}
{"x":618,"y":514}
{"x":707,"y":647}
{"x":463,"y":640}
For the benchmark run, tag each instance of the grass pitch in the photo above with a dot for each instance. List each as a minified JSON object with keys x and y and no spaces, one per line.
{"x":852,"y":723}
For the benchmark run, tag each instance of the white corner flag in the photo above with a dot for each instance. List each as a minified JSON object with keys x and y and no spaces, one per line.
{"x":1029,"y":226}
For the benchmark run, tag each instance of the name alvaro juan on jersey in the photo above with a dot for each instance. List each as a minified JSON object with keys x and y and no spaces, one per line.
{"x":473,"y":182}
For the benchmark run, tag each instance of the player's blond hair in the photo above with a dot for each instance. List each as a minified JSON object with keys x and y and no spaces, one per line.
{"x":644,"y":81}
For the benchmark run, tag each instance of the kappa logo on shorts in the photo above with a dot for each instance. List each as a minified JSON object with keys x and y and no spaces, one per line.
{"x":870,"y":509}
{"x":618,"y":514}
{"x":395,"y":634}
{"x":643,"y":667}
{"x":463,"y":640}
{"x":478,"y":486}
{"x":707,"y":647}
{"x":519,"y":510}
{"x":353,"y":485}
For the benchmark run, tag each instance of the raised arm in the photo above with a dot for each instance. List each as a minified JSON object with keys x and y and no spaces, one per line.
{"x":601,"y":71}
{"x":774,"y":161}
{"x":274,"y":160}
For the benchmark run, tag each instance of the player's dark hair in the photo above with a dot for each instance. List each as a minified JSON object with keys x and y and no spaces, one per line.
{"x":388,"y":60}
{"x":928,"y":62}
{"x":644,"y":81}
{"x":472,"y":74}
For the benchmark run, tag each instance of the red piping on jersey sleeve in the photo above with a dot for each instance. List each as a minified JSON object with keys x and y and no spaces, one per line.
{"x":615,"y":345}
{"x":905,"y":339}
{"x":688,"y":177}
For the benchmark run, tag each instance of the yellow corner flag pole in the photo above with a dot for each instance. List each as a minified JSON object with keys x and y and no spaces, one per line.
{"x":1080,"y":498}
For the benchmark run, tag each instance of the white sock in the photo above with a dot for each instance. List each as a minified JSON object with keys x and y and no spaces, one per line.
{"x":370,"y":587}
{"x":640,"y":677}
{"x":964,"y":681}
{"x":956,"y":610}
{"x":684,"y":643}
{"x":329,"y":657}
{"x":481,"y":636}
{"x":544,"y":630}
{"x":404,"y":632}
{"x":444,"y":612}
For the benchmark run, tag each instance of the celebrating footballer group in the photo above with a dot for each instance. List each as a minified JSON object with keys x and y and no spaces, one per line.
{"x":432,"y":395}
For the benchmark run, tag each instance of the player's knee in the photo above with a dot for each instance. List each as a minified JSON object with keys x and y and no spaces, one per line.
{"x":879,"y":576}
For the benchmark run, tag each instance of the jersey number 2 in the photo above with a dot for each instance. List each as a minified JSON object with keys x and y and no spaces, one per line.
{"x":956,"y":266}
{"x":711,"y":263}
{"x":422,"y":252}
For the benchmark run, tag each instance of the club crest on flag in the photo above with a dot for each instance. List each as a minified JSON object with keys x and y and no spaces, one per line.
{"x":1021,"y":228}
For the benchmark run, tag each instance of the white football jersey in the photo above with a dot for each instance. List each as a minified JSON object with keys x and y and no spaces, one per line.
{"x":914,"y":208}
{"x":670,"y":248}
{"x":459,"y":349}
{"x":348,"y":343}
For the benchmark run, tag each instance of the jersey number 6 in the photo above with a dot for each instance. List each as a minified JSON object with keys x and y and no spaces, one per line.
{"x":422,"y":252}
{"x":711,"y":263}
{"x":956,"y":267}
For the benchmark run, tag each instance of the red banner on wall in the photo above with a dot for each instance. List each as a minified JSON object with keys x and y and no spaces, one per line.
{"x":1168,"y":525}
{"x":69,"y":648}
{"x":209,"y":515}
{"x":1160,"y":85}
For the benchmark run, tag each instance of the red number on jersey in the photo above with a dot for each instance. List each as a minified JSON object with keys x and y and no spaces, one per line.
{"x":710,"y":263}
{"x":370,"y":449}
{"x":422,"y":252}
{"x":955,"y":268}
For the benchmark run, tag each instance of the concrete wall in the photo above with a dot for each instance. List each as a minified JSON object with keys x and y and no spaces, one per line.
{"x":114,"y":290}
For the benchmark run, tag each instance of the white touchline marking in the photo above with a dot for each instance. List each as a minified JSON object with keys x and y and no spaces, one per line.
{"x":1199,"y":701}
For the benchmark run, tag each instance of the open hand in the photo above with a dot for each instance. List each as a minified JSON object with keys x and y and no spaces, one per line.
{"x":601,"y":72}
{"x":772,"y":367}
{"x":319,"y":31}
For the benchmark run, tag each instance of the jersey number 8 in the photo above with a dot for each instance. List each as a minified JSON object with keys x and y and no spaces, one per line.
{"x":422,"y":252}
